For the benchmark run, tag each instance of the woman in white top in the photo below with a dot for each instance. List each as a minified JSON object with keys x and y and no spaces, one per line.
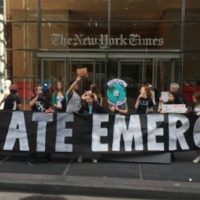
{"x":58,"y":97}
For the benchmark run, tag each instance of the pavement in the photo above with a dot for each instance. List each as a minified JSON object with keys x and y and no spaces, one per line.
{"x":180,"y":179}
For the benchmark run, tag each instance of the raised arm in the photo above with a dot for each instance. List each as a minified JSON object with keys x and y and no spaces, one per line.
{"x":33,"y":101}
{"x":73,"y":84}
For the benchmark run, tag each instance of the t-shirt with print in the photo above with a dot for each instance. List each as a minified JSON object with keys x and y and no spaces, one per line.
{"x":144,"y":104}
{"x":41,"y":104}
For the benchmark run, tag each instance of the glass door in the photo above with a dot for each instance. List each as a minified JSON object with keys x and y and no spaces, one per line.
{"x":100,"y":77}
{"x":66,"y":71}
{"x":52,"y":71}
{"x":166,"y":72}
{"x":131,"y":72}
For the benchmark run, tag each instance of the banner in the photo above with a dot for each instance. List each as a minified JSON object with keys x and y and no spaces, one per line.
{"x":98,"y":133}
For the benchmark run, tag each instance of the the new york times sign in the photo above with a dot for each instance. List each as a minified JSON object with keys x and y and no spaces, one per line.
{"x":98,"y":133}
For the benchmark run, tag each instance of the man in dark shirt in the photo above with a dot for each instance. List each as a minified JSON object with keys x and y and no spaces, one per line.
{"x":40,"y":102}
{"x":12,"y":101}
{"x":144,"y":105}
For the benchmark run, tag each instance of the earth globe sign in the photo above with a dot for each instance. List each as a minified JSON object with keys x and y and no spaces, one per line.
{"x":116,"y":92}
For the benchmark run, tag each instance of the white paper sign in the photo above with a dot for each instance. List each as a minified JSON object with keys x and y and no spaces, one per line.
{"x":174,"y":108}
{"x":165,"y":96}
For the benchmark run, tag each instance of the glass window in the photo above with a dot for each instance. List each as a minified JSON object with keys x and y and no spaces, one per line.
{"x":23,"y":35}
{"x":100,"y":75}
{"x":53,"y":71}
{"x":148,"y":69}
{"x":192,"y":10}
{"x":74,"y":10}
{"x":73,"y":35}
{"x":23,"y":64}
{"x":164,"y":74}
{"x":53,"y":35}
{"x":192,"y":32}
{"x":191,"y":70}
{"x":20,"y":10}
{"x":145,"y":35}
{"x":112,"y":70}
{"x":146,"y":10}
{"x":131,"y":74}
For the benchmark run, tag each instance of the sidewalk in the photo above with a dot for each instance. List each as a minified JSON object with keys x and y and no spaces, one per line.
{"x":181,"y":178}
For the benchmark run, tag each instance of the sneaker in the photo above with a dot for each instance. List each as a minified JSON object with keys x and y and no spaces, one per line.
{"x":94,"y":160}
{"x":196,"y":160}
{"x":80,"y":159}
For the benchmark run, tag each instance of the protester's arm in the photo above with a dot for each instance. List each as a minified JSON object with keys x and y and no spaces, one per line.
{"x":122,"y":110}
{"x":19,"y":106}
{"x":101,"y":101}
{"x":84,"y":96}
{"x":33,"y":101}
{"x":125,"y":111}
{"x":112,"y":108}
{"x":73,"y":84}
{"x":137,"y":103}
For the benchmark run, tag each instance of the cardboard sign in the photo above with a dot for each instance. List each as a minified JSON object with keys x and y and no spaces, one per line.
{"x":82,"y":72}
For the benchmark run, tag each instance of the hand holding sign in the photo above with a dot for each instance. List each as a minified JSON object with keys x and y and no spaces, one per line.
{"x":82,"y":72}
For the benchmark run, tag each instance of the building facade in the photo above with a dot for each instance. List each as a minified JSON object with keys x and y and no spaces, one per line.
{"x":154,"y":41}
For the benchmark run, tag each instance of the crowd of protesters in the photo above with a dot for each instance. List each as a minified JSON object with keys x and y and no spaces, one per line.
{"x":71,"y":101}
